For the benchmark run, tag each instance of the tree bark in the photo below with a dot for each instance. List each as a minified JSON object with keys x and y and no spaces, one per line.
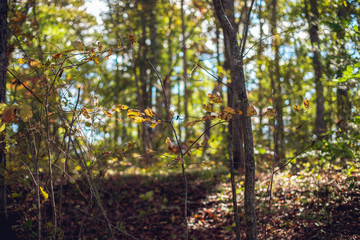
{"x":238,"y":78}
{"x":276,"y":86}
{"x":3,"y":63}
{"x":343,"y":101}
{"x":320,"y":126}
{"x":185,"y":66}
{"x":235,"y":126}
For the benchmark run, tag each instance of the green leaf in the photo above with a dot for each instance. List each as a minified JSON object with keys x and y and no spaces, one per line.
{"x":356,"y":28}
{"x":2,"y":107}
{"x":25,"y":112}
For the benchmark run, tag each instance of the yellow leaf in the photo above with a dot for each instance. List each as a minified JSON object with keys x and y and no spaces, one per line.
{"x":306,"y":103}
{"x":132,"y":113}
{"x":43,"y":193}
{"x":154,"y":123}
{"x":190,"y":124}
{"x":270,"y":112}
{"x":239,"y":112}
{"x":229,"y":110}
{"x":57,"y":56}
{"x":36,"y":64}
{"x":107,"y":113}
{"x":208,"y":107}
{"x":85,"y":113}
{"x":25,"y":112}
{"x":138,"y":119}
{"x":2,"y":127}
{"x":2,"y":107}
{"x":214,"y":97}
{"x":150,"y":151}
{"x":120,"y":107}
{"x":22,"y":60}
{"x":251,"y":111}
{"x":296,"y":107}
{"x":150,"y":112}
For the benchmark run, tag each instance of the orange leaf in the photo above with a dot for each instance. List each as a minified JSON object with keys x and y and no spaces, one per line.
{"x":107,"y":113}
{"x":9,"y":114}
{"x":208,"y":107}
{"x":306,"y":103}
{"x":251,"y":111}
{"x":150,"y":112}
{"x":296,"y":107}
{"x":132,"y":39}
{"x":214,"y":97}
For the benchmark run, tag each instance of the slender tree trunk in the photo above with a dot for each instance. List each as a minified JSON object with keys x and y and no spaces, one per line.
{"x":185,"y":66}
{"x":320,"y":126}
{"x":235,"y":126}
{"x":343,"y":101}
{"x":276,"y":86}
{"x":3,"y":65}
{"x":238,"y":78}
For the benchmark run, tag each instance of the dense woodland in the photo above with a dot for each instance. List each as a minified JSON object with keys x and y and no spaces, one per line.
{"x":180,"y":119}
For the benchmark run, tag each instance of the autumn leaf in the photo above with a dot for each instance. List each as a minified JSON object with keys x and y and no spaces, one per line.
{"x":22,"y":60}
{"x":229,"y":110}
{"x":168,"y":142}
{"x":25,"y":112}
{"x":239,"y":112}
{"x":149,"y":112}
{"x":132,"y":39}
{"x":306,"y":103}
{"x":208,"y":107}
{"x":100,"y":46}
{"x":120,"y":107}
{"x":2,"y":127}
{"x":251,"y":111}
{"x":9,"y":114}
{"x":109,"y":53}
{"x":132,"y":113}
{"x":57,"y":56}
{"x":78,"y":45}
{"x":171,"y":114}
{"x":154,"y":123}
{"x":270,"y":112}
{"x":150,"y":151}
{"x":296,"y":107}
{"x":2,"y":107}
{"x":107,"y":113}
{"x":214,"y":97}
{"x":43,"y":193}
{"x":36,"y":64}
{"x":139,"y":119}
{"x":85,"y":113}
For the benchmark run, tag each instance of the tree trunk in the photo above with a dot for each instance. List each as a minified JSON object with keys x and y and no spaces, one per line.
{"x":343,"y":101}
{"x":320,"y":126}
{"x":276,"y":87}
{"x":238,"y":78}
{"x":235,"y":126}
{"x":3,"y":65}
{"x":185,"y":77}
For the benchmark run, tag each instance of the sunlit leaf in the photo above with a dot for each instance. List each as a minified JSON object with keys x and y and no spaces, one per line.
{"x":154,"y":123}
{"x":36,"y":64}
{"x":214,"y":98}
{"x":270,"y":112}
{"x":229,"y":110}
{"x":2,"y":107}
{"x":43,"y":193}
{"x":107,"y":113}
{"x":57,"y":56}
{"x":208,"y":107}
{"x":251,"y":111}
{"x":85,"y":113}
{"x":25,"y":112}
{"x":132,"y":113}
{"x":139,"y":119}
{"x":296,"y":107}
{"x":22,"y":60}
{"x":150,"y":112}
{"x":120,"y":107}
{"x":239,"y":112}
{"x":2,"y":127}
{"x":306,"y":103}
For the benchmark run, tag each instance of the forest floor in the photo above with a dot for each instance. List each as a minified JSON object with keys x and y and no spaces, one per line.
{"x":304,"y":206}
